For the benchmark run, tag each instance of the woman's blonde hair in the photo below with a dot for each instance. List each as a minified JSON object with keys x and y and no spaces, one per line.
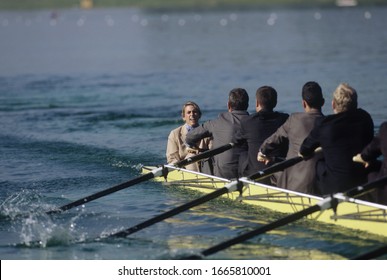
{"x":193,"y":104}
{"x":344,"y":98}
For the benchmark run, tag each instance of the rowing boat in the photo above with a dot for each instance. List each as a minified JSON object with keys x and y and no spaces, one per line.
{"x":350,"y":213}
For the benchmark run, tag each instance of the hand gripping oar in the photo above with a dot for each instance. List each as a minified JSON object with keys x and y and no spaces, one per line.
{"x":327,"y":203}
{"x":280,"y":166}
{"x":157,"y":172}
{"x":230,"y":187}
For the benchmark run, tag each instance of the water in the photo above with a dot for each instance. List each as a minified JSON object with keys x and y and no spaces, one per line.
{"x":88,"y":97}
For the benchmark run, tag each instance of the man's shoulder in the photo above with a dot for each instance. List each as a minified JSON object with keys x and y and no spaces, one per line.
{"x":231,"y":116}
{"x":267,"y":115}
{"x":351,"y":117}
{"x":283,"y":115}
{"x":363,"y":113}
{"x":280,"y":116}
{"x":176,"y":130}
{"x":305,"y":115}
{"x":297,"y":114}
{"x":383,"y":126}
{"x":383,"y":131}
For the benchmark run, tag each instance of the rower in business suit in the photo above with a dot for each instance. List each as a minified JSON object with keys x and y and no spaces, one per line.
{"x":300,"y":177}
{"x":221,"y":130}
{"x":257,"y":127}
{"x":341,"y":136}
{"x":369,"y":157}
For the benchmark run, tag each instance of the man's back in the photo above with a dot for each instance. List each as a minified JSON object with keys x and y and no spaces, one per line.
{"x":222,"y":130}
{"x":341,"y":137}
{"x":371,"y":153}
{"x":299,"y":177}
{"x":254,"y":130}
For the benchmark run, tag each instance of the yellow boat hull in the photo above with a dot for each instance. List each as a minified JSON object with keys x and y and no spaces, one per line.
{"x":354,"y":214}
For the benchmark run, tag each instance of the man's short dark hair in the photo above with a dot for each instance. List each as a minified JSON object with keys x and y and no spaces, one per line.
{"x":238,"y":99}
{"x":312,"y":94}
{"x":267,"y":97}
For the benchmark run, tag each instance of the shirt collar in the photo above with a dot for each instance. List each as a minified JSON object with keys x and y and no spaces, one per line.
{"x":190,"y":127}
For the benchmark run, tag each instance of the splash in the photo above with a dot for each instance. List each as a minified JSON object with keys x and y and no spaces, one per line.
{"x":25,"y":214}
{"x":21,"y":204}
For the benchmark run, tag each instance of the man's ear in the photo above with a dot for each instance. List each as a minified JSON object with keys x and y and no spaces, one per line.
{"x":257,"y":106}
{"x":304,"y":104}
{"x":228,"y":106}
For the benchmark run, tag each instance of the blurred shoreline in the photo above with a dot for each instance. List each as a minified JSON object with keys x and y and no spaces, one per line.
{"x":181,"y":4}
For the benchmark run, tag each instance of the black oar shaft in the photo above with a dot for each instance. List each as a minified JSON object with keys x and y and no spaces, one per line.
{"x":171,"y":213}
{"x":327,"y":203}
{"x":232,"y":186}
{"x":360,"y":190}
{"x":280,"y":166}
{"x":243,"y":237}
{"x":276,"y":168}
{"x":372,"y":254}
{"x":92,"y":197}
{"x":204,"y":155}
{"x":142,"y":178}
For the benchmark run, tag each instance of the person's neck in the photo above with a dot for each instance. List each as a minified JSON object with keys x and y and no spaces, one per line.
{"x":189,"y":127}
{"x":312,"y":110}
{"x":261,"y":109}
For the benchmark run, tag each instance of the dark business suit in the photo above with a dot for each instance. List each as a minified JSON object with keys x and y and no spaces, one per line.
{"x":376,"y":148}
{"x":254,"y":131}
{"x":341,"y":136}
{"x":300,"y":177}
{"x":221,"y":130}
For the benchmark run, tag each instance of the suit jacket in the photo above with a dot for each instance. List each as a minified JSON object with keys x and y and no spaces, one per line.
{"x":177,"y":149}
{"x":221,"y":130}
{"x":341,"y":136}
{"x":375,"y":149}
{"x":300,"y":177}
{"x":254,"y":131}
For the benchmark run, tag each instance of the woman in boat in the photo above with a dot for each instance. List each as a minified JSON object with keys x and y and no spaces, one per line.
{"x":341,"y":136}
{"x":300,"y":177}
{"x":177,"y":148}
{"x":370,"y":154}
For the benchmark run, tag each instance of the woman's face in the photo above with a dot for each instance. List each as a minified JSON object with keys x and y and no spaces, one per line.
{"x":191,"y":115}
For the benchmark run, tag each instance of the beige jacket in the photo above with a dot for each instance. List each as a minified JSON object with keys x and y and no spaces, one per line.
{"x":177,"y":148}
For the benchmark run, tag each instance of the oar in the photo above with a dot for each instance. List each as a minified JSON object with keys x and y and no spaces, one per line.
{"x":280,"y":166}
{"x":230,"y":187}
{"x":157,"y":172}
{"x":372,"y":254}
{"x":327,"y":203}
{"x":233,"y":186}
